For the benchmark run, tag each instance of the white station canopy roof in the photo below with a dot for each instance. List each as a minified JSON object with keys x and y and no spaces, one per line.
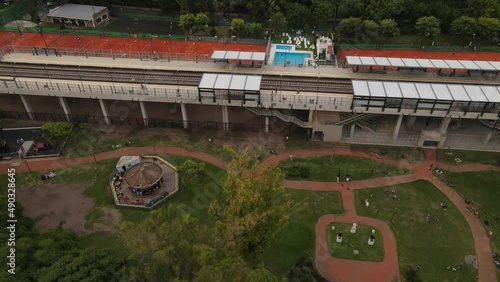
{"x":237,"y":55}
{"x":427,"y":91}
{"x":424,"y":63}
{"x":230,"y":82}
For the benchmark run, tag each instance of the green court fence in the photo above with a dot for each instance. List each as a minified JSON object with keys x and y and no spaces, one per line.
{"x":453,"y":48}
{"x":150,"y":17}
{"x":14,"y":12}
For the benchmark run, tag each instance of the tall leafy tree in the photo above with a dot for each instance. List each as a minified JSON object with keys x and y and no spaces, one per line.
{"x":237,"y":25}
{"x":464,"y":27}
{"x":255,"y":207}
{"x":297,"y":14}
{"x":187,"y":21}
{"x":349,"y":29}
{"x":164,"y":247}
{"x":489,"y":29}
{"x":382,"y":9}
{"x":388,"y":29}
{"x":428,"y":26}
{"x":321,"y":10}
{"x":370,"y":28}
{"x":201,"y":20}
{"x":482,"y":8}
{"x":278,"y":22}
{"x":255,"y":29}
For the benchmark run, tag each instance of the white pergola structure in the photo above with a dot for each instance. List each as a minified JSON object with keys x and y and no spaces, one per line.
{"x":463,"y":98}
{"x":249,"y":58}
{"x":423,"y":64}
{"x":229,"y":87}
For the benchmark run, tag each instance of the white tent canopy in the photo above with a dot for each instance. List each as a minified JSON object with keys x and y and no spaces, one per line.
{"x":230,"y":82}
{"x":127,"y":162}
{"x":237,"y":55}
{"x":427,"y":91}
{"x":423,"y":63}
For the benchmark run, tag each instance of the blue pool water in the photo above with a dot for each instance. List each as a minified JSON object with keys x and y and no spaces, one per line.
{"x":284,"y":47}
{"x":294,"y":58}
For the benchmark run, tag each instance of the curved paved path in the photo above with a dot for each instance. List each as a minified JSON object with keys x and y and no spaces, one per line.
{"x":333,"y":269}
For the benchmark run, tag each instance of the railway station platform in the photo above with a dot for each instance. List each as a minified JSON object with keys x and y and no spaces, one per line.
{"x":321,"y":71}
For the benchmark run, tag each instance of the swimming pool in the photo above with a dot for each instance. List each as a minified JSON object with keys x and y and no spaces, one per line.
{"x":284,"y":47}
{"x":290,"y":58}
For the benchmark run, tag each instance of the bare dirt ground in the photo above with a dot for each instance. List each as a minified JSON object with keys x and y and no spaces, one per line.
{"x":52,"y":205}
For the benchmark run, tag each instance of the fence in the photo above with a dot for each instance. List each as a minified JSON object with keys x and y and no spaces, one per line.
{"x":454,"y":48}
{"x":14,"y":12}
{"x":152,"y":122}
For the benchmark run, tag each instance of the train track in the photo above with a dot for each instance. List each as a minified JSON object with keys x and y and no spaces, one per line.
{"x":184,"y":78}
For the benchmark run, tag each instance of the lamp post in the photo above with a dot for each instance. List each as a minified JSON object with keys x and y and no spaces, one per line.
{"x":473,"y":37}
{"x":43,"y":37}
{"x":26,"y":162}
{"x":393,"y":212}
{"x":195,"y":52}
{"x":138,"y":51}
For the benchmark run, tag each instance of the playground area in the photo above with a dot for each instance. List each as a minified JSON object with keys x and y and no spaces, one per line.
{"x":421,"y":54}
{"x":71,"y":43}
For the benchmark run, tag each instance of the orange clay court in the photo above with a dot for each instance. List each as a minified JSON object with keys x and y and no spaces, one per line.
{"x":205,"y":47}
{"x":121,"y":43}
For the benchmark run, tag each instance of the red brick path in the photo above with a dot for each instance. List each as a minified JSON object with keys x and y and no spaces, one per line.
{"x":331,"y":268}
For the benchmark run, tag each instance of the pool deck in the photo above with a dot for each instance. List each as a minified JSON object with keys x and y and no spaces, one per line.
{"x":295,"y":57}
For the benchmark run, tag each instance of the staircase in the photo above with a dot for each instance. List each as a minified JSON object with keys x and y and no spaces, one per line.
{"x":491,"y":124}
{"x":356,"y":118}
{"x":280,"y":115}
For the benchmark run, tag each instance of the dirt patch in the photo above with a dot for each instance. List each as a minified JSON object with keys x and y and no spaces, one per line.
{"x":110,"y":222}
{"x":52,"y":204}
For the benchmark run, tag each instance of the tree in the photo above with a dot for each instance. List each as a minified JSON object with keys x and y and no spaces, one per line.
{"x":297,"y":14}
{"x":482,"y":8}
{"x":382,"y":9}
{"x":187,"y":22}
{"x":255,"y":29}
{"x":261,"y":275}
{"x":191,"y":173}
{"x":370,"y":28}
{"x":164,"y":247}
{"x":428,"y":26}
{"x":255,"y":207}
{"x":237,"y":25}
{"x":388,"y":29}
{"x":278,"y":22}
{"x":463,"y":27}
{"x":55,"y":132}
{"x":489,"y":29}
{"x":349,"y":28}
{"x":201,"y":20}
{"x":321,"y":10}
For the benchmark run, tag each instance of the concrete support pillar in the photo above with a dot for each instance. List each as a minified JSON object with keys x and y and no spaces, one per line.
{"x":396,"y":127}
{"x":27,"y":105}
{"x":65,"y":107}
{"x":104,"y":111}
{"x":487,"y":137}
{"x":311,"y":115}
{"x":266,"y":125}
{"x":410,"y":121}
{"x":443,"y":127}
{"x":225,"y":118}
{"x":353,"y":128}
{"x":185,"y":120}
{"x":144,"y":113}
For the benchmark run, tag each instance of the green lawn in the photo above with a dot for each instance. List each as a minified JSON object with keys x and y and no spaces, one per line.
{"x":83,"y":140}
{"x":326,"y":168}
{"x":449,"y":156}
{"x":434,"y":245}
{"x":298,"y":237}
{"x":482,"y":189}
{"x":357,"y":241}
{"x":407,"y":154}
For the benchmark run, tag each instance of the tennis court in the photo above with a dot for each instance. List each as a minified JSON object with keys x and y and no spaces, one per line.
{"x":414,"y":53}
{"x":120,"y":44}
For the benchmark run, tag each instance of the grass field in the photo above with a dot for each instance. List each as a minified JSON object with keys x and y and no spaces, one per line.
{"x":449,"y":156}
{"x":357,"y":241}
{"x":326,"y":168}
{"x":432,"y":244}
{"x":482,"y":189}
{"x":298,"y":237}
{"x":406,"y":154}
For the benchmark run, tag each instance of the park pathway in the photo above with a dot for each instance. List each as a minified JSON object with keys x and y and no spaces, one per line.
{"x":333,"y":269}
